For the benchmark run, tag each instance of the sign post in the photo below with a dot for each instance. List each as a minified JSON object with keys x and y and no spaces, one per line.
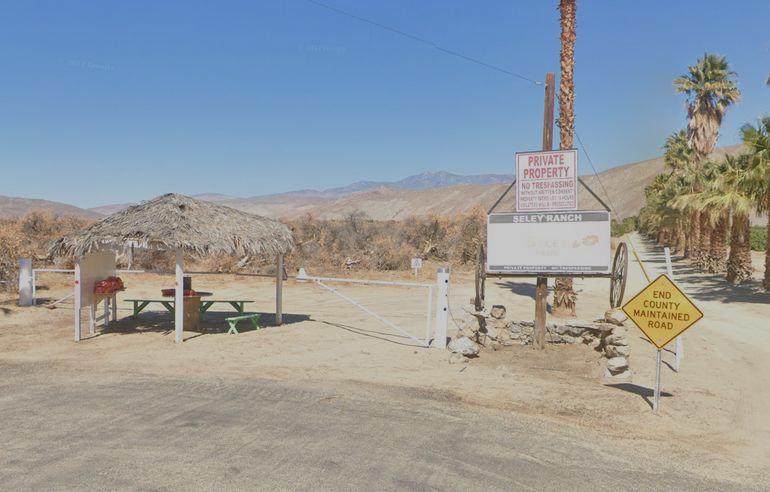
{"x":656,"y":400}
{"x":416,"y":265}
{"x":663,"y":312}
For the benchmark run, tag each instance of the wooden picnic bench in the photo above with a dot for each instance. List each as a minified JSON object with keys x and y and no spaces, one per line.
{"x":140,"y":304}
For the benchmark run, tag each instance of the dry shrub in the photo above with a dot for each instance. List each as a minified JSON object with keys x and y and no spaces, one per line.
{"x":218,"y":263}
{"x":468,"y":232}
{"x":30,"y":237}
{"x":353,"y":243}
{"x":359,"y":243}
{"x":153,"y":260}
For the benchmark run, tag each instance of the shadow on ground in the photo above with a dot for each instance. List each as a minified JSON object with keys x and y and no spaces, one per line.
{"x":646,"y":393}
{"x":379,"y":335}
{"x":524,"y":289}
{"x":706,"y":286}
{"x":213,"y":323}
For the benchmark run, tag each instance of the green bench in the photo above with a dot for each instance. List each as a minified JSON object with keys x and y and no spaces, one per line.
{"x":140,"y":304}
{"x":233,"y":322}
{"x":237,"y":305}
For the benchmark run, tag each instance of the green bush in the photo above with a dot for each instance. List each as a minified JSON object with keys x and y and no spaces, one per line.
{"x":758,"y":238}
{"x":629,"y":224}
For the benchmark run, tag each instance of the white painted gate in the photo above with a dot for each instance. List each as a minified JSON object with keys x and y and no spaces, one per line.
{"x":435,"y":333}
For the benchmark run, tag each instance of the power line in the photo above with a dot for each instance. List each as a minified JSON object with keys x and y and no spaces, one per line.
{"x":591,"y":162}
{"x":463,"y":57}
{"x":424,"y":41}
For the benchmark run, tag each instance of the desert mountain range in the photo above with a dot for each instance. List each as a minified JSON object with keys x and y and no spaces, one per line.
{"x":440,"y":193}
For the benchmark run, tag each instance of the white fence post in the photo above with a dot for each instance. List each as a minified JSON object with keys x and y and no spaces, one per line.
{"x":679,"y":342}
{"x":26,"y":298}
{"x":179,"y":297}
{"x":442,"y":307}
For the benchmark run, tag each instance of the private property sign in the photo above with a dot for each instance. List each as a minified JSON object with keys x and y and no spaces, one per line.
{"x":549,"y":242}
{"x":546,"y":181}
{"x":662,"y":311}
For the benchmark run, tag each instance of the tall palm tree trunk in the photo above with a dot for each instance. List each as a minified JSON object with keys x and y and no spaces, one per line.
{"x":766,"y":282}
{"x":739,"y":262}
{"x":564,"y":295}
{"x":704,"y":244}
{"x":693,"y":239}
{"x":717,"y":259}
{"x":681,"y":239}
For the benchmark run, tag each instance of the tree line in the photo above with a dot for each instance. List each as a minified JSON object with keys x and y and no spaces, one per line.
{"x":701,"y":207}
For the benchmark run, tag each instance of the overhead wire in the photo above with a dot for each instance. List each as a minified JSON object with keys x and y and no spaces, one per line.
{"x":425,"y":41}
{"x":462,"y":56}
{"x":591,"y":162}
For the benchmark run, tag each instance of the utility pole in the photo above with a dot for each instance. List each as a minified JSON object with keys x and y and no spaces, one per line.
{"x":541,"y":288}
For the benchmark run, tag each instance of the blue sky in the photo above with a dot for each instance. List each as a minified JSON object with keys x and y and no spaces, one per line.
{"x":115,"y":101}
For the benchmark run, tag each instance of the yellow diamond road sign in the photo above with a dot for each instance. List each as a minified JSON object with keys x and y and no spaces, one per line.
{"x":662,"y":311}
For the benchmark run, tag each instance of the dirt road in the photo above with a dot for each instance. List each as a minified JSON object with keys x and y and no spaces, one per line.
{"x":101,"y":432}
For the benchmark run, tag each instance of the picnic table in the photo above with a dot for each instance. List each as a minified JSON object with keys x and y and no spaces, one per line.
{"x":140,"y":304}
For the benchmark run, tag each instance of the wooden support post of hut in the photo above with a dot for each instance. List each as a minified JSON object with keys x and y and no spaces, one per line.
{"x":185,"y":226}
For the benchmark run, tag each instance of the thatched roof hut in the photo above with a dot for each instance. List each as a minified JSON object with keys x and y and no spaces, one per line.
{"x":177,"y":222}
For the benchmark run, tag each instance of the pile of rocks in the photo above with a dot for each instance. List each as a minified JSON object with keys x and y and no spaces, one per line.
{"x":491,"y":330}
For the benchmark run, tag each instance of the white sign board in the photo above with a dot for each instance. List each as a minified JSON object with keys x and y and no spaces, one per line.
{"x":546,"y":181}
{"x":416,"y":263}
{"x":549,"y":242}
{"x":91,"y":268}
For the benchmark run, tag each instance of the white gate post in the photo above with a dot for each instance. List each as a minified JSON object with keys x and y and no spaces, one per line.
{"x":179,"y":297}
{"x":25,"y":282}
{"x":679,"y":342}
{"x":442,"y":307}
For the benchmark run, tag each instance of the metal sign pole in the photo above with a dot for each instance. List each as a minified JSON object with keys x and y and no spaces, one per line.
{"x":656,"y":402}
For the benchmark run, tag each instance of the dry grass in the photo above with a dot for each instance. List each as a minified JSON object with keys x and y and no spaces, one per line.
{"x":30,"y":237}
{"x":358,"y":243}
{"x":355,"y":243}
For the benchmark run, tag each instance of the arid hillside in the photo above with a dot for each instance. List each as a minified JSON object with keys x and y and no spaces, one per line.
{"x":621,"y":187}
{"x":13,"y":207}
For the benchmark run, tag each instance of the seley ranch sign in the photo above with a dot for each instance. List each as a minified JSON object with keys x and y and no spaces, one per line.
{"x":546,"y":181}
{"x":549,"y":243}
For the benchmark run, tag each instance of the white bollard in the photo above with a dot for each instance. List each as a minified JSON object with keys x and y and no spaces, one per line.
{"x":442,"y":308}
{"x":679,"y":343}
{"x":25,"y":282}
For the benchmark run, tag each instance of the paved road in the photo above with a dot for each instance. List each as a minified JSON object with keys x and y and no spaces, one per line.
{"x":133,"y":432}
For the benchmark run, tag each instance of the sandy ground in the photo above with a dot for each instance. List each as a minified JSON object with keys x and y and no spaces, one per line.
{"x":715,"y":413}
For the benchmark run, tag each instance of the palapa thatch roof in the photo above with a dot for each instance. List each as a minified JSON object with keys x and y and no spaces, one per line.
{"x":176,"y":221}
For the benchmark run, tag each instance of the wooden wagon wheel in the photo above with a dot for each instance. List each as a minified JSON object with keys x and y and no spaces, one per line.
{"x":619,"y":275}
{"x":481,"y":276}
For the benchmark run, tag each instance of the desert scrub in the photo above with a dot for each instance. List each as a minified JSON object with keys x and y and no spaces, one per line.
{"x":758,"y":238}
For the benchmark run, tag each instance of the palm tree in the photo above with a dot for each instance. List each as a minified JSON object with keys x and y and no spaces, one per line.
{"x":564,"y":296}
{"x":757,"y":139}
{"x":711,"y":88}
{"x":731,"y":193}
{"x":677,"y":152}
{"x":713,"y":260}
{"x":678,"y":158}
{"x":657,"y":218}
